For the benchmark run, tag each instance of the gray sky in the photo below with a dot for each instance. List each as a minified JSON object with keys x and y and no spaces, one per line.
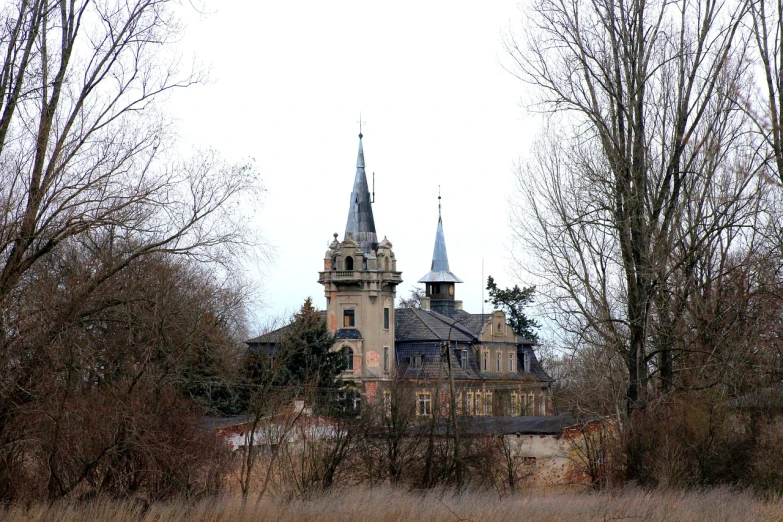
{"x":288,"y":81}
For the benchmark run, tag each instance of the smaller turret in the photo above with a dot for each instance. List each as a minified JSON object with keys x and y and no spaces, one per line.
{"x":440,"y":281}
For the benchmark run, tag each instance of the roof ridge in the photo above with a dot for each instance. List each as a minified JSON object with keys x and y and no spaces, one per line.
{"x":416,"y":312}
{"x":455,"y":323}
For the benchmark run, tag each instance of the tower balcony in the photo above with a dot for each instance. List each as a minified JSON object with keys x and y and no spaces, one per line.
{"x":358,"y":276}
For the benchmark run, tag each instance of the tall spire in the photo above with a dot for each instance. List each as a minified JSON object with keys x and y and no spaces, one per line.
{"x":361,"y":224}
{"x":439,"y":270}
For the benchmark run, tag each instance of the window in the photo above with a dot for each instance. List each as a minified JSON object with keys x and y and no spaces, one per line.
{"x":424,"y":406}
{"x":500,"y":328}
{"x":387,"y":408}
{"x":514,"y":403}
{"x":349,"y":263}
{"x":460,"y":407}
{"x":523,"y":404}
{"x":349,"y":318}
{"x":531,"y":405}
{"x":386,"y":316}
{"x":511,"y":361}
{"x":386,"y":358}
{"x":488,"y":403}
{"x":498,"y":361}
{"x":527,"y":362}
{"x":348,"y":354}
{"x":349,"y":401}
{"x":415,"y":362}
{"x":479,"y":404}
{"x":486,"y":361}
{"x":542,"y":404}
{"x":451,"y":290}
{"x":463,"y":359}
{"x":471,"y":408}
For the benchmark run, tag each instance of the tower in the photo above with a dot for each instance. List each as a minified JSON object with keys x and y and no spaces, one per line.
{"x":440,"y":281}
{"x":360,"y":281}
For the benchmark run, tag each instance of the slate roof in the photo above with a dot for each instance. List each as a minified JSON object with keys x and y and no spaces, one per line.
{"x":473,"y":322}
{"x":275,"y":336}
{"x":349,"y":333}
{"x":420,"y":333}
{"x":415,"y":324}
{"x":361,"y":223}
{"x":504,"y":425}
{"x":439,"y":270}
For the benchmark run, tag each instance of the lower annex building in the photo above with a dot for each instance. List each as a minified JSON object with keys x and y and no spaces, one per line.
{"x":494,"y":371}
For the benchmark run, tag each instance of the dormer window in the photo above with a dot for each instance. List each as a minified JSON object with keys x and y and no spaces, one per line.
{"x":526,"y":362}
{"x":349,"y":263}
{"x":415,"y":362}
{"x":463,"y":359}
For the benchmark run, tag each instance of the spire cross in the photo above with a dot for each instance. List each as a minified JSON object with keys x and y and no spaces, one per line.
{"x":360,"y":124}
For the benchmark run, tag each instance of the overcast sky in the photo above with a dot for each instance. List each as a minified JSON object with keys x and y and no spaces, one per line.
{"x":288,"y":80}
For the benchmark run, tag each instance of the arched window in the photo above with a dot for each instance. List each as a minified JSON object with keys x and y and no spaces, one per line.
{"x":349,"y":263}
{"x":348,"y":354}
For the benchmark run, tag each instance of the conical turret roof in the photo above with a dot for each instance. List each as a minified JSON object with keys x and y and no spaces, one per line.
{"x":439,"y":271}
{"x":361,"y":224}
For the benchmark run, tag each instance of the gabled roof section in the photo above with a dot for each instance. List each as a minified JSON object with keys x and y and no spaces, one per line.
{"x":361,"y":224}
{"x":473,"y":322}
{"x":275,"y":336}
{"x":415,"y":324}
{"x":439,"y":270}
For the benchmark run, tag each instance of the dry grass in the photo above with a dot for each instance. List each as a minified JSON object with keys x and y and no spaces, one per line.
{"x":388,"y":504}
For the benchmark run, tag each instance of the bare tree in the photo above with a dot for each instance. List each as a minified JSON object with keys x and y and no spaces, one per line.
{"x":95,"y":205}
{"x":640,"y":177}
{"x":414,"y":298}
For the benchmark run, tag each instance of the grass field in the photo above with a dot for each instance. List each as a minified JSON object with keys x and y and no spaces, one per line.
{"x":388,"y":504}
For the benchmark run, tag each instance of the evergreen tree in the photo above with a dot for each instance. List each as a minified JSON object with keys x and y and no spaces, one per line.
{"x":306,"y":347}
{"x":513,"y":302}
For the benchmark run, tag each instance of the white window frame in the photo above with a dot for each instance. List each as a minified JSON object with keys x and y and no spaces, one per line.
{"x":424,"y":404}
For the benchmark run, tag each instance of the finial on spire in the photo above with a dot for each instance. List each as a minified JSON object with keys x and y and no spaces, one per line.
{"x":360,"y":125}
{"x":439,"y":202}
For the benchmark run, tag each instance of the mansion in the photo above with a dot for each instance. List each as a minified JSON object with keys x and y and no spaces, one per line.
{"x":429,"y":348}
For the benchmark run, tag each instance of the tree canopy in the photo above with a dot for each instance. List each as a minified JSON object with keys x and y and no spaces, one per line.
{"x":513,"y":302}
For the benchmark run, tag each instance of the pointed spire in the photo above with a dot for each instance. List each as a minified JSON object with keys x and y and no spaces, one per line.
{"x":439,"y":270}
{"x":361,"y":224}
